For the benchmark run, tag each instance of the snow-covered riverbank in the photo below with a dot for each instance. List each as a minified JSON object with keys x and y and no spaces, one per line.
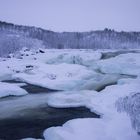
{"x":85,"y":80}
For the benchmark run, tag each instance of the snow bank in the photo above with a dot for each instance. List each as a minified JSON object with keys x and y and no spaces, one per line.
{"x":93,"y":129}
{"x":112,"y":125}
{"x":10,"y":90}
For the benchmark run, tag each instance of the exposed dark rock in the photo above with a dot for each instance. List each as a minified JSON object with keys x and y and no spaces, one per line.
{"x":29,"y":66}
{"x":41,"y":51}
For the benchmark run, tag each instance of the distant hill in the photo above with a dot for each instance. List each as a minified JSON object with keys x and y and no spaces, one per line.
{"x":14,"y":37}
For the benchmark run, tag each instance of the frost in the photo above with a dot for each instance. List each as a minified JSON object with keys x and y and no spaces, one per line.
{"x":131,"y":105}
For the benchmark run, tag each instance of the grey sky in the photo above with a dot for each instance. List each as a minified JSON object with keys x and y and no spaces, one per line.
{"x":73,"y":15}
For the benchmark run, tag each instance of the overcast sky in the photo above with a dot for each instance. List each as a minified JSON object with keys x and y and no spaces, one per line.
{"x":73,"y":15}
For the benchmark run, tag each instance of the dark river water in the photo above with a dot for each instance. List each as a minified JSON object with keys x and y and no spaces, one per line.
{"x":29,"y":116}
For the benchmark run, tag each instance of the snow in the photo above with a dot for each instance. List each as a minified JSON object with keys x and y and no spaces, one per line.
{"x":11,"y":90}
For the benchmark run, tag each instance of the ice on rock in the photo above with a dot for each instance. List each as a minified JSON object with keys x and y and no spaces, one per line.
{"x":77,"y":57}
{"x":11,"y":90}
{"x":122,"y":64}
{"x":100,"y":81}
{"x":128,"y":81}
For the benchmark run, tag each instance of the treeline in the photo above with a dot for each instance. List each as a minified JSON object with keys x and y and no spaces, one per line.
{"x":14,"y":37}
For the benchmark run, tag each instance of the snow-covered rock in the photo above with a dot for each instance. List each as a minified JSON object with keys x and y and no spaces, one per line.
{"x":60,"y":76}
{"x":11,"y":90}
